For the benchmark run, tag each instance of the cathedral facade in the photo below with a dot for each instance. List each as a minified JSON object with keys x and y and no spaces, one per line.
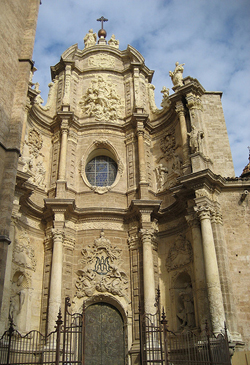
{"x":115,"y":198}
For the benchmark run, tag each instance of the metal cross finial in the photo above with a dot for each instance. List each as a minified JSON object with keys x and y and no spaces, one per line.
{"x":102,"y":19}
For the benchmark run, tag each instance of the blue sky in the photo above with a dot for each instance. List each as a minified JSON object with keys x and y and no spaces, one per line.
{"x":212,"y":38}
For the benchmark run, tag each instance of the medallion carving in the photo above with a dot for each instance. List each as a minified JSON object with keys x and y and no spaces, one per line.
{"x":180,"y":253}
{"x":102,"y":272}
{"x":101,"y":101}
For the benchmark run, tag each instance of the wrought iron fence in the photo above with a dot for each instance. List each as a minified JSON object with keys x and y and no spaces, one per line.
{"x":62,"y":346}
{"x":159,"y":345}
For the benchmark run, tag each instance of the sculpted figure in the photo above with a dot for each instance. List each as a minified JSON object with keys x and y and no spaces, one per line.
{"x":195,"y":138}
{"x":176,"y":75}
{"x":165,"y":100}
{"x":90,"y":39}
{"x":186,"y":312}
{"x":17,"y":299}
{"x":113,"y":42}
{"x":160,"y":172}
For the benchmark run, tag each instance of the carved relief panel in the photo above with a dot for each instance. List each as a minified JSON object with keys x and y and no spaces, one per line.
{"x":101,"y":270}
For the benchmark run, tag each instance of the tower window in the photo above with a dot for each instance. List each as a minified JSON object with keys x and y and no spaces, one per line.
{"x":101,"y":171}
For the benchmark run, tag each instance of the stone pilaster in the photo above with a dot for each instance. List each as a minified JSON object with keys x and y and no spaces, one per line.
{"x":183,"y":129}
{"x":55,"y":292}
{"x":224,"y":272}
{"x":66,"y":97}
{"x":211,"y":270}
{"x":199,"y":274}
{"x":142,"y":161}
{"x":63,"y":151}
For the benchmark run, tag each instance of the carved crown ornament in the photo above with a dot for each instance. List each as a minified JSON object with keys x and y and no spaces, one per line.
{"x":97,"y":148}
{"x":101,"y":270}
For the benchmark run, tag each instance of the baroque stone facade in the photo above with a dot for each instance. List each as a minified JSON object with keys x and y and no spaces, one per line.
{"x":115,"y":197}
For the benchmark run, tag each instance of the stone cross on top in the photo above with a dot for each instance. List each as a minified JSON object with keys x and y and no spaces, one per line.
{"x":102,"y":32}
{"x":102,"y":19}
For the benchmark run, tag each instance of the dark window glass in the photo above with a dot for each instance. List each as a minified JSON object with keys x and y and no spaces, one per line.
{"x":101,"y":171}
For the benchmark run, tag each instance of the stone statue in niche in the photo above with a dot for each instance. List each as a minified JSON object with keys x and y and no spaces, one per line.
{"x":176,"y":75}
{"x":186,"y":312}
{"x":195,"y":138}
{"x":17,"y":296}
{"x":113,"y":42}
{"x":180,"y":253}
{"x":160,"y":171}
{"x":90,"y":39}
{"x":176,"y":165}
{"x":101,"y":271}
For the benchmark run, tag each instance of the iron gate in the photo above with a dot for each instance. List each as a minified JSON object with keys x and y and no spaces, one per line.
{"x":62,"y":346}
{"x":159,"y":345}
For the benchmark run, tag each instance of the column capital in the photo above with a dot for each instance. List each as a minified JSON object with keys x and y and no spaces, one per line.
{"x":192,"y":220}
{"x":57,"y":234}
{"x":216,"y":217}
{"x":179,"y":107}
{"x":65,"y":126}
{"x":204,"y":211}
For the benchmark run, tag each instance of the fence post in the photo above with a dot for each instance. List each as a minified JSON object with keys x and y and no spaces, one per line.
{"x":164,"y":322}
{"x":83,"y":334}
{"x":208,"y":344}
{"x":58,"y":332}
{"x":11,"y":330}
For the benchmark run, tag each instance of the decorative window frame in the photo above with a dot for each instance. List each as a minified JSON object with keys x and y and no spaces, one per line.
{"x":101,"y":148}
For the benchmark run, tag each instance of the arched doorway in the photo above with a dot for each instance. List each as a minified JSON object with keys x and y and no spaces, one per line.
{"x":104,"y":335}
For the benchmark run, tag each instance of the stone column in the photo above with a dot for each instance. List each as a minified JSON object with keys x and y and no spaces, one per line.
{"x":211,"y":270}
{"x":56,"y":279}
{"x":148,"y":271}
{"x":183,"y":128}
{"x":63,"y":150}
{"x":199,"y":274}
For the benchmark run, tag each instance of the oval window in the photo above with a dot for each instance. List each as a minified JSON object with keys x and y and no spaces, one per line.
{"x":101,"y":171}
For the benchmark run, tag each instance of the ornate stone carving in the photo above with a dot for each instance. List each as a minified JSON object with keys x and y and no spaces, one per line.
{"x":90,"y":39}
{"x":203,"y":211}
{"x":168,"y":145}
{"x":23,"y":253}
{"x":101,"y":271}
{"x":101,"y":60}
{"x":38,"y":174}
{"x":113,"y":42}
{"x":101,"y":101}
{"x":35,"y":142}
{"x":195,"y":138}
{"x":176,"y":75}
{"x":180,"y":253}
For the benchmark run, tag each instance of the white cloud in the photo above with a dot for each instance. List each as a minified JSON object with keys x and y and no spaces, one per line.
{"x":211,"y":37}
